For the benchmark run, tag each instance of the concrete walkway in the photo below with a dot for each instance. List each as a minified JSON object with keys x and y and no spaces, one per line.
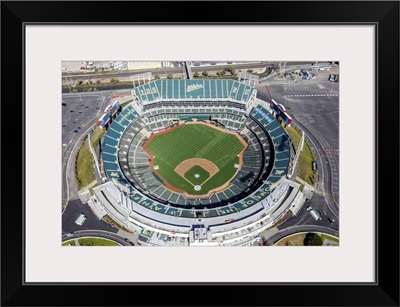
{"x":308,"y":190}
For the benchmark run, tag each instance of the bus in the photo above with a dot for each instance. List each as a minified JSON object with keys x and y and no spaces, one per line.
{"x":315,"y":214}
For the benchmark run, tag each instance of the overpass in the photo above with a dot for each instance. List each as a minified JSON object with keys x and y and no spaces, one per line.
{"x":188,"y":70}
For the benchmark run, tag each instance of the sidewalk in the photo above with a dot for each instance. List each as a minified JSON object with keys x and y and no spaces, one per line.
{"x":308,"y":190}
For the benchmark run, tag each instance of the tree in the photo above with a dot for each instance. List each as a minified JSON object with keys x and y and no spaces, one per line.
{"x":196,"y":75}
{"x":230,"y":68}
{"x":223,"y":72}
{"x":98,"y":81}
{"x":75,"y":90}
{"x":250,"y":70}
{"x":90,"y":89}
{"x":205,"y":73}
{"x":170,"y":76}
{"x":156,"y":77}
{"x":312,"y":239}
{"x":79,"y":82}
{"x":114,"y":80}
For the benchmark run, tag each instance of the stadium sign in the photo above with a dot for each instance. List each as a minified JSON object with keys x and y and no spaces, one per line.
{"x":193,"y":87}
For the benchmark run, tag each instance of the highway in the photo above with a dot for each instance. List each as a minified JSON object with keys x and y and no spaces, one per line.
{"x":159,"y":71}
{"x":97,"y":234}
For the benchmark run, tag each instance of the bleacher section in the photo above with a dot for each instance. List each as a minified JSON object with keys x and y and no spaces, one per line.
{"x":126,"y":163}
{"x":281,"y":148}
{"x":194,"y":90}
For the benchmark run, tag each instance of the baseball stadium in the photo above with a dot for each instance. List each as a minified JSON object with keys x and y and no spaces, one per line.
{"x":195,"y":162}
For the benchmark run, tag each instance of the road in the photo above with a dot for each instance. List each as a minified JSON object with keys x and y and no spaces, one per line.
{"x":316,"y":115}
{"x":314,"y":107}
{"x":297,"y":229}
{"x":80,"y":114}
{"x":97,"y":234}
{"x":166,"y":70}
{"x":303,"y":217}
{"x":73,"y":210}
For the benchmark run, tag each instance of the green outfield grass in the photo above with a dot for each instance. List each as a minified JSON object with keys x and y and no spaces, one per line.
{"x":195,"y":141}
{"x":197,"y":170}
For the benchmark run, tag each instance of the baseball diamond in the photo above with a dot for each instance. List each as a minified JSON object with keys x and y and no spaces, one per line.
{"x":197,"y":163}
{"x":196,"y":175}
{"x":197,"y":148}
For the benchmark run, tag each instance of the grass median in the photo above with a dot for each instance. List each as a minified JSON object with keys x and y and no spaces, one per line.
{"x":84,"y":161}
{"x":304,"y":163}
{"x":96,"y":242}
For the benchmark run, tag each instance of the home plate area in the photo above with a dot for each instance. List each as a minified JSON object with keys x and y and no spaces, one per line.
{"x":197,"y":175}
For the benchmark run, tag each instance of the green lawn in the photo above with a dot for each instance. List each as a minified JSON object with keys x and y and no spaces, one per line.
{"x":324,"y":236}
{"x":304,"y":163}
{"x":84,"y":162}
{"x":67,"y":243}
{"x":96,"y":242}
{"x":197,"y":171}
{"x":196,"y":141}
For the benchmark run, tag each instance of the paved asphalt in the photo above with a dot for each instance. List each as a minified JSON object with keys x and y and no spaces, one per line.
{"x":96,"y":103}
{"x":74,"y":208}
{"x":296,"y":229}
{"x":304,"y":217}
{"x":318,"y":116}
{"x":166,"y":70}
{"x":81,"y":111}
{"x":98,"y":234}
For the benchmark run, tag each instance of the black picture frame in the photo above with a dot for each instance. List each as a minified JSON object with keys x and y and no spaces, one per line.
{"x":384,"y":292}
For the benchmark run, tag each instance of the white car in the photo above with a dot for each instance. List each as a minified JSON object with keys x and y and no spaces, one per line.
{"x":309,"y":208}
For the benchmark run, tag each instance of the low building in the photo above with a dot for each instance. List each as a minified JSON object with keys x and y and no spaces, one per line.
{"x":147,"y":65}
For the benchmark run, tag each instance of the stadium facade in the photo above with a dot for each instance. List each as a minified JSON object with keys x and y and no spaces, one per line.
{"x":136,"y":198}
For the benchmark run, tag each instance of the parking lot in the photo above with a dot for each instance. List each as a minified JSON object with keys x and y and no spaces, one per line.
{"x":78,"y":114}
{"x":315,"y":104}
